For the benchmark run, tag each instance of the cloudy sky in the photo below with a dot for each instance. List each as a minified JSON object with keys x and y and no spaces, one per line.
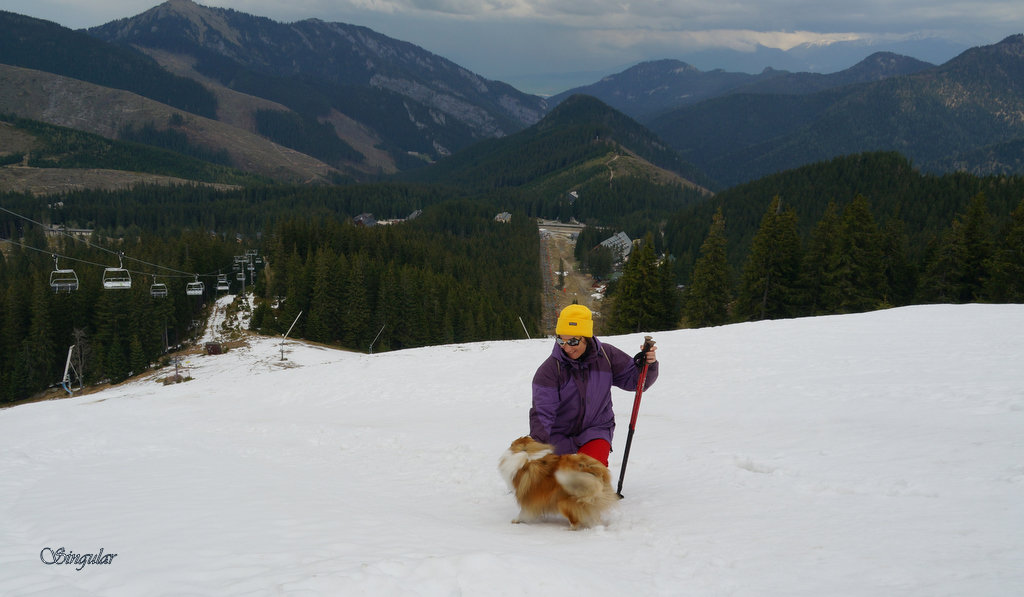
{"x":522,"y":41}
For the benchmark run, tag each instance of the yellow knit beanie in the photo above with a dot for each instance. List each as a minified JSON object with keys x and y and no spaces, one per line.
{"x":575,"y":320}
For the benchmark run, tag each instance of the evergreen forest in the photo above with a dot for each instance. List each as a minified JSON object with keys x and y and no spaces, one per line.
{"x":452,"y":274}
{"x":852,"y":234}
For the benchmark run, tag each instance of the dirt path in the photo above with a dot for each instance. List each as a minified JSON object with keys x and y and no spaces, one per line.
{"x":557,"y":246}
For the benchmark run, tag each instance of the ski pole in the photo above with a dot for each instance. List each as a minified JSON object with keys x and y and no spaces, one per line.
{"x":641,"y":379}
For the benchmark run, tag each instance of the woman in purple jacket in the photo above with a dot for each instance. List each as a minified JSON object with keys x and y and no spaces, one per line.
{"x":572,"y":389}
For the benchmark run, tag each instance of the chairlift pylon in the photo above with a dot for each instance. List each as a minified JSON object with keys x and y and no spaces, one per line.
{"x":63,"y":280}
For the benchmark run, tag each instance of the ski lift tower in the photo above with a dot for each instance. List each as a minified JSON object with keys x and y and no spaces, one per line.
{"x":71,"y":374}
{"x":285,"y":337}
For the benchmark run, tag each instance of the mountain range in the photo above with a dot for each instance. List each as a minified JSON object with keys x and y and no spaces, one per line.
{"x":651,"y":88}
{"x":326,"y":102}
{"x":968,"y":111}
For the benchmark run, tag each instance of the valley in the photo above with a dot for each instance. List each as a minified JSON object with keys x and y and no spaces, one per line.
{"x":556,"y":247}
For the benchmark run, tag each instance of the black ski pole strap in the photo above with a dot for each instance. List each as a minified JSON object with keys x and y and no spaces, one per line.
{"x":641,"y":357}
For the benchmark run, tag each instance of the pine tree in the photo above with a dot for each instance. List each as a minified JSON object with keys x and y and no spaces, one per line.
{"x":900,"y":274}
{"x":600,"y":262}
{"x":388,"y":307}
{"x":707,"y":298}
{"x":979,"y":243}
{"x":298,"y":282}
{"x":115,"y":363}
{"x":111,"y":324}
{"x":815,"y":264}
{"x":38,"y":348}
{"x":356,"y":306}
{"x":1007,"y":281}
{"x":16,"y":318}
{"x":670,"y":296}
{"x":642,"y":302}
{"x":137,"y":358}
{"x":944,"y":270}
{"x":958,"y":270}
{"x":768,"y":286}
{"x":856,"y":277}
{"x":325,"y":312}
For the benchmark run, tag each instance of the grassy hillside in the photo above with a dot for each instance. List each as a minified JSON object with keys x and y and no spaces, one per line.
{"x":46,"y":46}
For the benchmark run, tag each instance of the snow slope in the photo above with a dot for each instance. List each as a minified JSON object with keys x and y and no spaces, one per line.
{"x":857,"y":455}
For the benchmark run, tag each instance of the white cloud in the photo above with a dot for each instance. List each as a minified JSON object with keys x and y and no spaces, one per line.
{"x":733,"y":39}
{"x":647,"y":17}
{"x":509,"y":38}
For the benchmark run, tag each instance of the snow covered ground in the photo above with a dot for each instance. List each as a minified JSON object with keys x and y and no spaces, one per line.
{"x":879,"y":454}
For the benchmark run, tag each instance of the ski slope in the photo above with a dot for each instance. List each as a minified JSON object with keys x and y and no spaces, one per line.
{"x":856,"y":455}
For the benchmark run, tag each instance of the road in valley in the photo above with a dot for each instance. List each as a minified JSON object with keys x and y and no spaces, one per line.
{"x":557,"y":243}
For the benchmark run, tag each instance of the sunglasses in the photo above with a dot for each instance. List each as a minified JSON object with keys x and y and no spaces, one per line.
{"x":570,"y":341}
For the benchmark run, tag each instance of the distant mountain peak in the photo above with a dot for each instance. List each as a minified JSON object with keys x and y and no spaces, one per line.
{"x":374,"y":90}
{"x":203,"y":21}
{"x":1013,"y":44}
{"x":885,"y":64}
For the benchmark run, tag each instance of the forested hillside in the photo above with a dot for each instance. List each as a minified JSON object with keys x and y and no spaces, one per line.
{"x":852,"y":234}
{"x":583,"y":161}
{"x":417,"y":105}
{"x":950,"y":114}
{"x":143,"y":149}
{"x":652,"y":88}
{"x":451,"y":275}
{"x":46,"y":46}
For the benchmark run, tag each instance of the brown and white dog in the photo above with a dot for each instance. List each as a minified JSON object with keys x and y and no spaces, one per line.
{"x":574,"y":485}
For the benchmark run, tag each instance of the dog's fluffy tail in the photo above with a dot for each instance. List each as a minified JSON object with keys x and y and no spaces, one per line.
{"x":587,"y":480}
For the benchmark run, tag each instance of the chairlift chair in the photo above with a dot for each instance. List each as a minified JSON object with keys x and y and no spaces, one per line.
{"x":63,"y":280}
{"x":222,"y":283}
{"x":158,"y":290}
{"x":195,"y":288}
{"x":117,"y":278}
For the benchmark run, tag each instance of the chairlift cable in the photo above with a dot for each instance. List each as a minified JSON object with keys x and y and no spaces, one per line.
{"x":119,"y":254}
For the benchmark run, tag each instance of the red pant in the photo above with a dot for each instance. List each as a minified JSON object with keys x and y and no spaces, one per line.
{"x":597,"y":449}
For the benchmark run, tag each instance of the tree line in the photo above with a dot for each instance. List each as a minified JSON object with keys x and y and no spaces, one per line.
{"x":118,"y":332}
{"x":850,"y":263}
{"x":925,"y":205}
{"x":451,"y":275}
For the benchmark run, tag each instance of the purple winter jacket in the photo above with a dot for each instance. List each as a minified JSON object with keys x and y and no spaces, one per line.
{"x":572,"y":400}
